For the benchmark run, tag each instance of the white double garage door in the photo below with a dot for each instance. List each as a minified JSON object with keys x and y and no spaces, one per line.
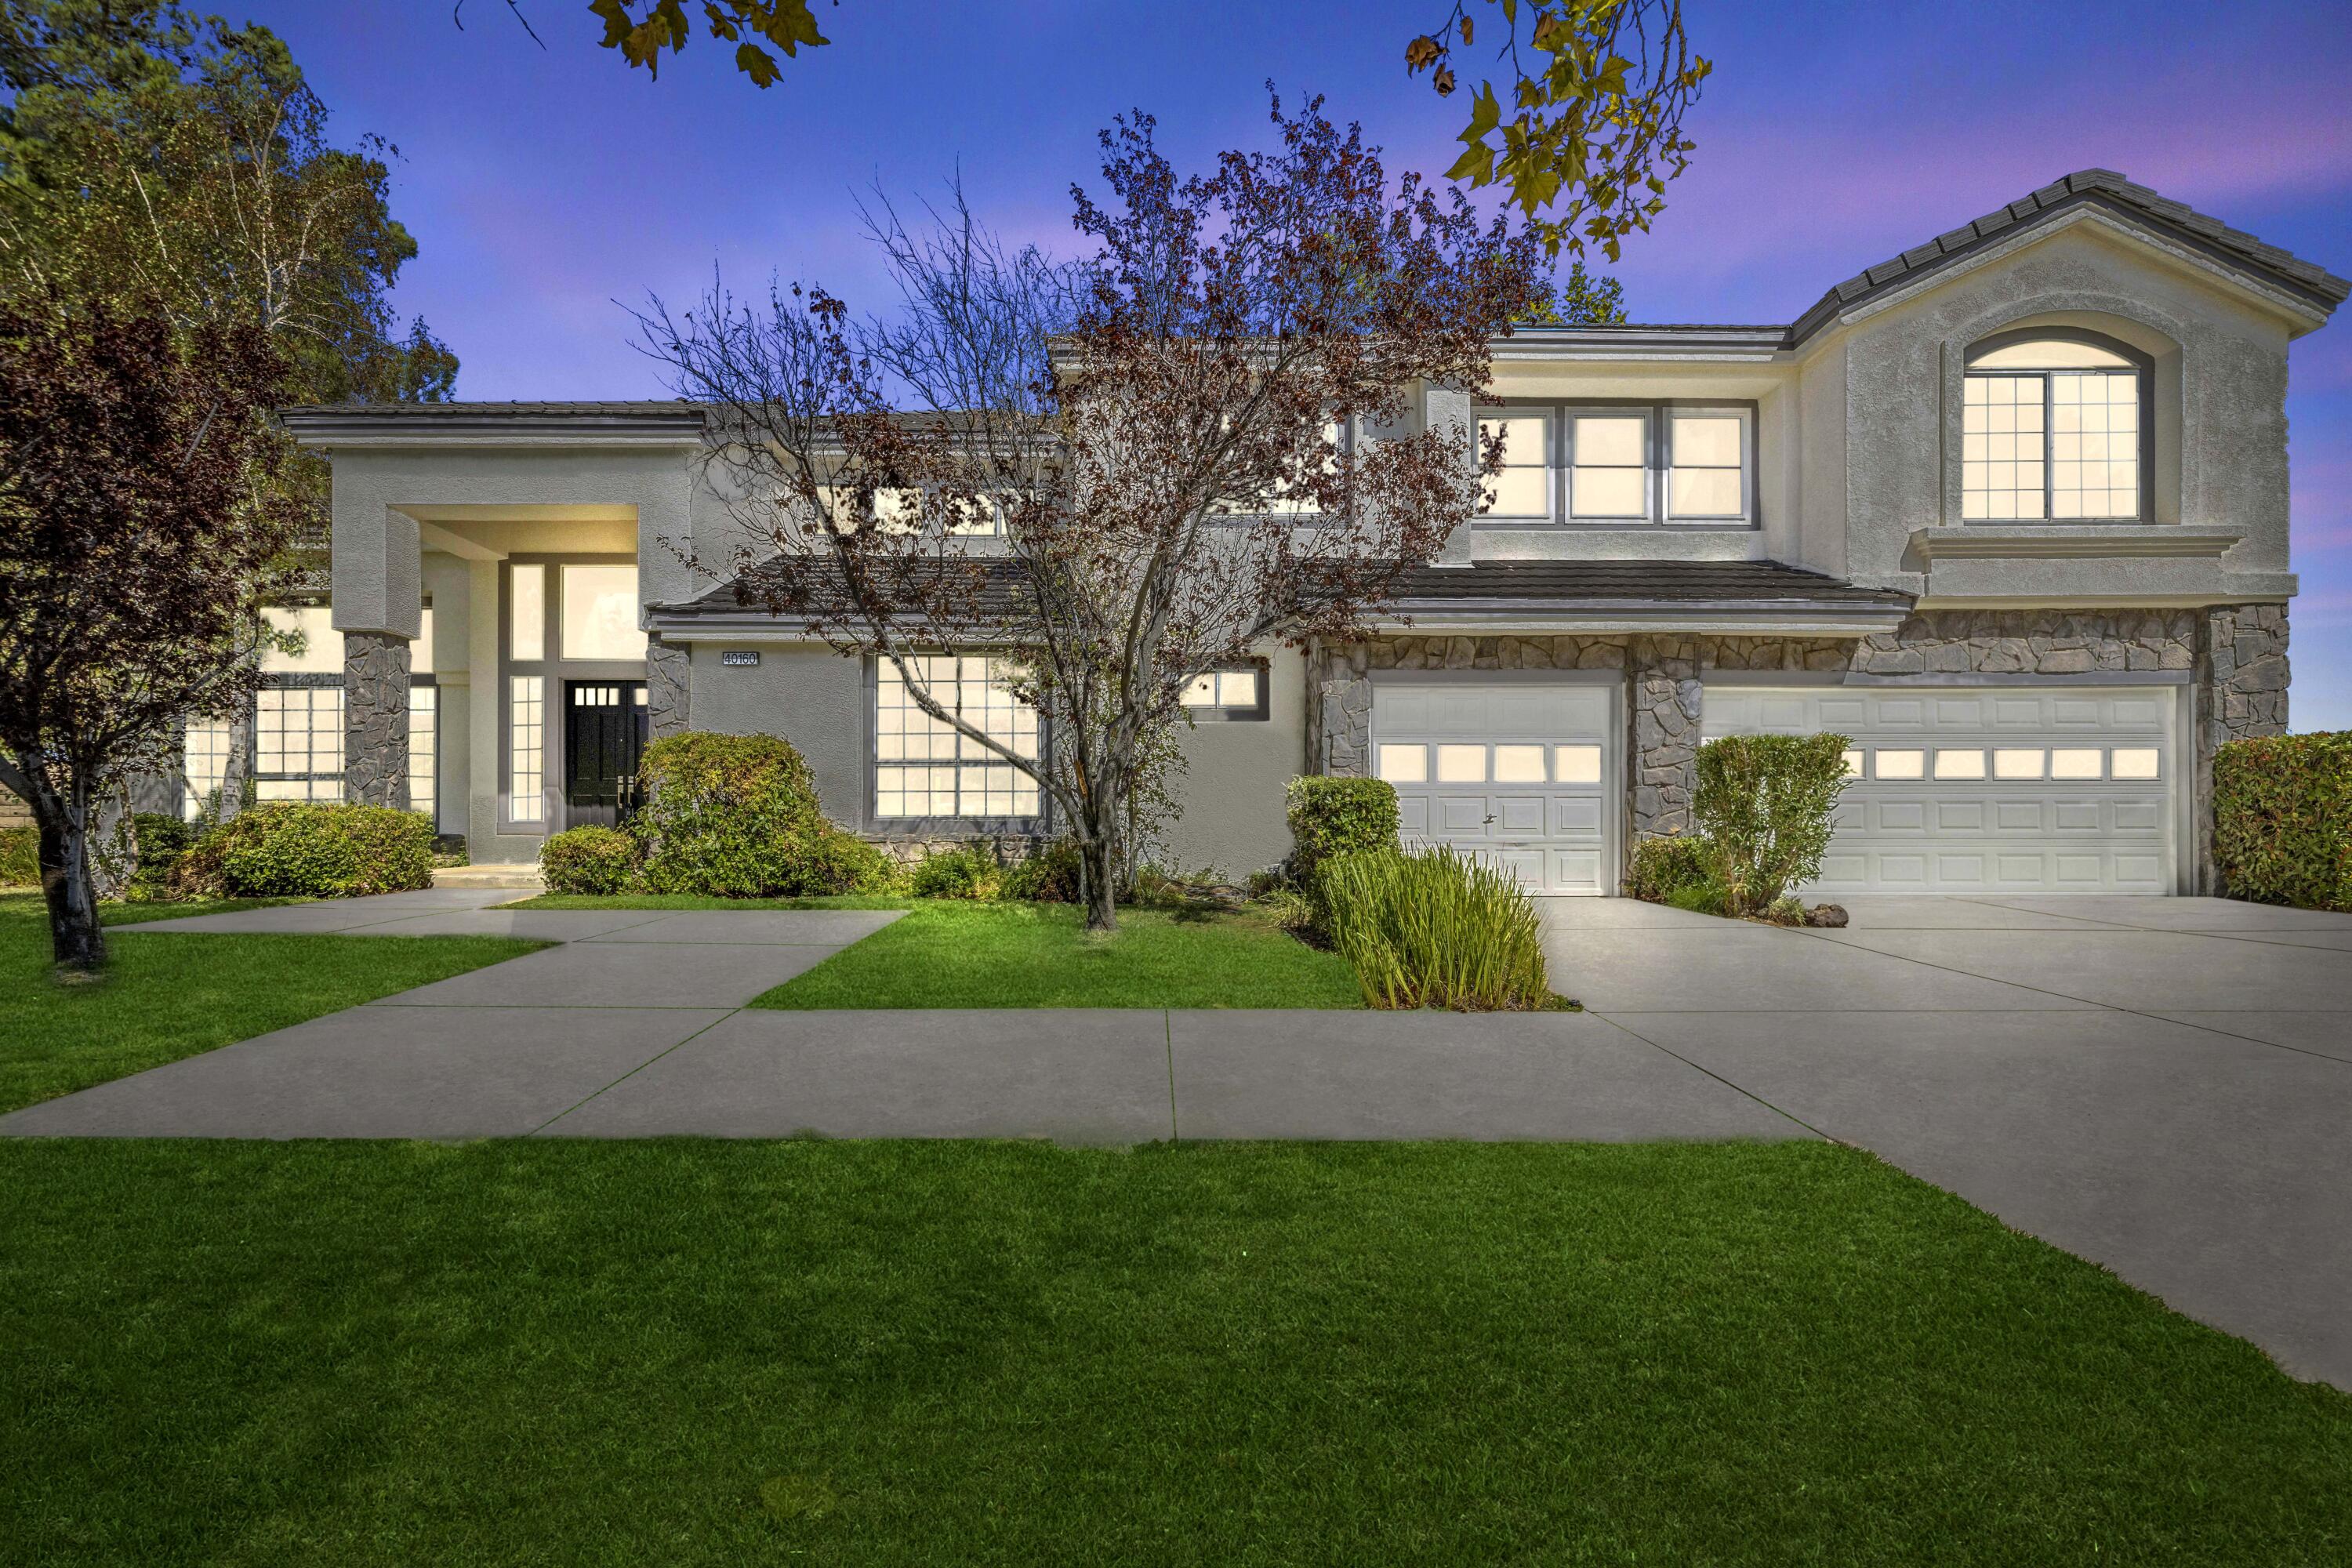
{"x":1956,"y":790}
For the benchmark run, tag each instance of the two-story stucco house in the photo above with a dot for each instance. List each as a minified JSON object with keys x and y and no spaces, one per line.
{"x":2009,"y":510}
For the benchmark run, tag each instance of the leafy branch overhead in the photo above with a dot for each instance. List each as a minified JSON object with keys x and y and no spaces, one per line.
{"x":1594,"y":126}
{"x":643,"y":30}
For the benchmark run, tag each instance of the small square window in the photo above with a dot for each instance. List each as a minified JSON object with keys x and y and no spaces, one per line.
{"x":2077,"y":762}
{"x":1461,"y":764}
{"x":1518,"y":764}
{"x":1852,"y":764}
{"x":2017,"y":762}
{"x":1576,"y":764}
{"x":1959,"y":763}
{"x":1228,"y":693}
{"x":1901,"y":764}
{"x":2132,"y":763}
{"x":1403,"y":764}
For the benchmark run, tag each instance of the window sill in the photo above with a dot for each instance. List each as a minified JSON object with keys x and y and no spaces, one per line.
{"x":1979,"y":539}
{"x":1627,"y":525}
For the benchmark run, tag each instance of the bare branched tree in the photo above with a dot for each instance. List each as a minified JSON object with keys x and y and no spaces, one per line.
{"x":1206,"y":437}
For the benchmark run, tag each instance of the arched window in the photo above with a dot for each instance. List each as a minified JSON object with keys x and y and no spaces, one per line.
{"x":2055,"y":428}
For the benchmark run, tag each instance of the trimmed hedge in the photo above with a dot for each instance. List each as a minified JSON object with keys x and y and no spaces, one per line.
{"x":310,"y":850}
{"x":20,"y":856}
{"x":2283,"y":819}
{"x":1667,"y":864}
{"x":597,"y":861}
{"x":729,"y":816}
{"x":966,"y":871}
{"x":1331,"y":816}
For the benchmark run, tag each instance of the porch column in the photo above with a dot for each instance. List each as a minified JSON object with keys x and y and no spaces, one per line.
{"x":670,"y":687}
{"x":378,"y":605}
{"x":376,"y":718}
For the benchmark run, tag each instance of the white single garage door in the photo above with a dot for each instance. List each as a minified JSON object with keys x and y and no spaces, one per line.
{"x":1520,"y":774}
{"x":2005,"y":789}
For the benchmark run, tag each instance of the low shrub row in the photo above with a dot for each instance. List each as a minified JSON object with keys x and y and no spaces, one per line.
{"x":2283,"y":819}
{"x":316,"y":849}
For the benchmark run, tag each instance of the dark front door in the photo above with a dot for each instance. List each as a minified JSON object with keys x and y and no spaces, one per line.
{"x":604,"y":735}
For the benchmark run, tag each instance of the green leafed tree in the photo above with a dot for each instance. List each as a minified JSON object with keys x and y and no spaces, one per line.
{"x":1586,"y":128}
{"x":645,"y":30}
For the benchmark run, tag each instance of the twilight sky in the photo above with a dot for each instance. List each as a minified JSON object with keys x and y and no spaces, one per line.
{"x":543,"y":185}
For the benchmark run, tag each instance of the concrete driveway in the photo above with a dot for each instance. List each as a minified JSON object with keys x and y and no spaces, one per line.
{"x":2163,"y":1085}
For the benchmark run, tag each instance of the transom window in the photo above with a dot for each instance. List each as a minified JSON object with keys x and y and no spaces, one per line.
{"x":925,"y":768}
{"x":1622,"y":464}
{"x":2054,"y":427}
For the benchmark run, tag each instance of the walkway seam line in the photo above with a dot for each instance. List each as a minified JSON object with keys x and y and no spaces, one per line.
{"x":2045,"y":991}
{"x":1736,"y":1088}
{"x":634,"y":1071}
{"x":1168,"y":1037}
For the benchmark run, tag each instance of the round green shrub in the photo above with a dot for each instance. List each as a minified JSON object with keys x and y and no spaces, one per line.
{"x":967,"y":871}
{"x":843,"y":863}
{"x":1332,"y":817}
{"x":1665,"y":863}
{"x":310,"y":849}
{"x":1049,"y":876}
{"x":597,"y":861}
{"x":731,"y":816}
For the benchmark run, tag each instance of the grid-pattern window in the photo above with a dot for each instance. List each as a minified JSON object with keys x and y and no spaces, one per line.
{"x":1226,"y":693}
{"x":2002,"y":432}
{"x":2094,"y":445}
{"x":1608,"y":466}
{"x":424,"y":739}
{"x":299,"y":742}
{"x":1523,"y":488}
{"x":1705,"y":473}
{"x":526,"y":748}
{"x":925,"y":768}
{"x":206,"y":758}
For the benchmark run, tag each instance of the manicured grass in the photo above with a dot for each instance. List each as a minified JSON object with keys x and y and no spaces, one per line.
{"x":948,"y":955}
{"x":714,"y":1353}
{"x":694,"y":901}
{"x":164,"y":997}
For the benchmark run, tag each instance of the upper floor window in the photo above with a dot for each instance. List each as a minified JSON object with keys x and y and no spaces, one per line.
{"x":1622,"y":464}
{"x":1234,"y":692}
{"x":2054,"y":426}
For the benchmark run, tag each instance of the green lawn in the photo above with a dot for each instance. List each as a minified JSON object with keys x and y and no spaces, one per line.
{"x":948,"y":955}
{"x":738,"y":1352}
{"x":164,"y":997}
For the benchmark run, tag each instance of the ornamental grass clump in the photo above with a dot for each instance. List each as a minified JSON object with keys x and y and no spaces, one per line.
{"x":1433,"y":928}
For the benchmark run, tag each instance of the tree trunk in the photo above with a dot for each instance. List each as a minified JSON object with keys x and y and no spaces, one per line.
{"x":236,"y":769}
{"x":1101,"y":890}
{"x":76,"y":941}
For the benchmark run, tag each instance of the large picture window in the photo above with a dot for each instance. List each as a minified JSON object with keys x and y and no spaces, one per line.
{"x":2053,"y":427}
{"x":297,"y":736}
{"x":1622,"y":464}
{"x":924,"y":768}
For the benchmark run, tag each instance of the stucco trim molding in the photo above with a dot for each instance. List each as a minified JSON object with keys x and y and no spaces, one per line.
{"x":2060,"y":542}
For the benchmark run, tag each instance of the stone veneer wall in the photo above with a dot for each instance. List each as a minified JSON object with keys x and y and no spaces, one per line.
{"x":670,"y":687}
{"x":376,"y":718}
{"x":2237,"y":656}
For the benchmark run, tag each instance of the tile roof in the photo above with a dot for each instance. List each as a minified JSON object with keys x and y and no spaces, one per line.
{"x":2085,"y":185}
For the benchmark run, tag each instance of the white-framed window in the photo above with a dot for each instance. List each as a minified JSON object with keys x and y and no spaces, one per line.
{"x":1612,"y":463}
{"x":926,"y":768}
{"x":1609,"y":467}
{"x":206,"y":762}
{"x":2054,"y":428}
{"x":423,"y":747}
{"x":1238,"y":692}
{"x":526,"y":748}
{"x":1523,"y":488}
{"x":1706,"y":466}
{"x":297,"y":742}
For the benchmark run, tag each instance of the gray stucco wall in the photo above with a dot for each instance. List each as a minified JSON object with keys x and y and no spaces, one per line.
{"x":1235,"y":776}
{"x":812,"y":697}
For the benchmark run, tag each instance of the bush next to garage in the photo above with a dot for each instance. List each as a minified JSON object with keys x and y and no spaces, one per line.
{"x":1664,"y":864}
{"x":596,"y":861}
{"x":2283,"y":819}
{"x":1764,"y":803}
{"x":308,"y":849}
{"x":1433,"y":928}
{"x":1332,"y":817}
{"x":736,"y":816}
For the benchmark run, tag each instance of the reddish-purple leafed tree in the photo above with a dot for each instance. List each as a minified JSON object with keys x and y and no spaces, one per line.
{"x":140,"y":521}
{"x":1113,"y":475}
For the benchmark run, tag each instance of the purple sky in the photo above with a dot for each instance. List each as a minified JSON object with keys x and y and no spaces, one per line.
{"x":544,"y":184}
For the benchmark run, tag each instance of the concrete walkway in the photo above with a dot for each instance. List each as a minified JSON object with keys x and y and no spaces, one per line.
{"x":2163,"y":1085}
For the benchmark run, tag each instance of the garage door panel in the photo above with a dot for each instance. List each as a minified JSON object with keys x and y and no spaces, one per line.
{"x":2063,"y":803}
{"x":1551,"y":744}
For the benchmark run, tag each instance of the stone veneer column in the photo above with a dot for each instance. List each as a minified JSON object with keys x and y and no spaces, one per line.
{"x":670,"y":687}
{"x":1663,"y":695}
{"x":376,"y":718}
{"x":2242,"y":668}
{"x":1343,"y":713}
